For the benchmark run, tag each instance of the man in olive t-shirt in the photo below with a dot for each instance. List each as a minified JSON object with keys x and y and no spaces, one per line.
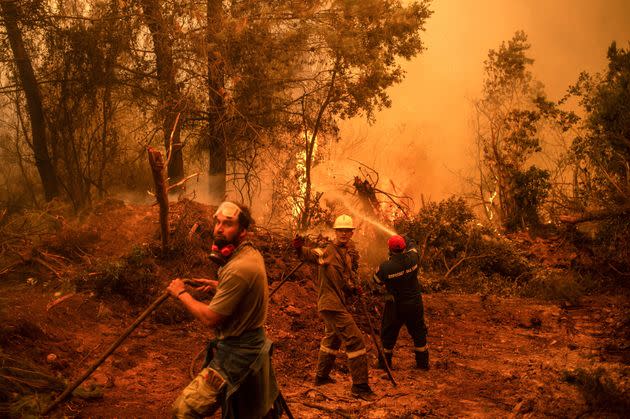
{"x":242,"y":288}
{"x":238,"y":361}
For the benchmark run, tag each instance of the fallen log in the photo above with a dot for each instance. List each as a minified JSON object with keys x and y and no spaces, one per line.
{"x":595,"y":215}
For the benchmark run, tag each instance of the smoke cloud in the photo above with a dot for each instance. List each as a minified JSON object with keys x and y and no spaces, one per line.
{"x":424,"y":142}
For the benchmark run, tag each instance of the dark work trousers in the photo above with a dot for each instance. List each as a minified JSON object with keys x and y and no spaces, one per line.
{"x":410,"y":314}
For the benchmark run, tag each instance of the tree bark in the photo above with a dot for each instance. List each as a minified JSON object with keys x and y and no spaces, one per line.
{"x":156,"y":161}
{"x":33,"y":99}
{"x":170,"y":101}
{"x":217,"y":162}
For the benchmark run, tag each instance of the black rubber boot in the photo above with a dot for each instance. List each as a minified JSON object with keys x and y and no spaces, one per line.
{"x":422,"y":360}
{"x":388,"y":358}
{"x":320,"y":381}
{"x":363,"y":391}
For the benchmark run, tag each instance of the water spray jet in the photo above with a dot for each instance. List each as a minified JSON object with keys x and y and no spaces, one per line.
{"x":366,"y":218}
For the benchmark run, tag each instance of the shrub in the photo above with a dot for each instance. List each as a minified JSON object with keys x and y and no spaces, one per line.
{"x":612,"y":245}
{"x":554,"y":286}
{"x":452,"y":243}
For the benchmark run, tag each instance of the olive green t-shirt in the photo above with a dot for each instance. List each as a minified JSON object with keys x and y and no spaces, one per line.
{"x":242,"y":292}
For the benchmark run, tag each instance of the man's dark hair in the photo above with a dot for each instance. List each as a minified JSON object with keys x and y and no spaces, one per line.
{"x":245,"y":219}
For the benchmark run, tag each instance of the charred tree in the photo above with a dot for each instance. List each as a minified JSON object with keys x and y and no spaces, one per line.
{"x":217,"y":164}
{"x":27,"y":79}
{"x":367,"y":196}
{"x":156,"y":161}
{"x":169,"y":97}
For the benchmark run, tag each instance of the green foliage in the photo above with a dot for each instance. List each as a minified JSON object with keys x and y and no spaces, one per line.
{"x":443,"y":226}
{"x":612,"y":246}
{"x":82,"y":102}
{"x":600,"y":390}
{"x":311,"y":65}
{"x":507,"y":69}
{"x":602,"y":152}
{"x":500,"y":257}
{"x":18,"y":181}
{"x":259,"y":75}
{"x":451,"y":242}
{"x":511,"y":117}
{"x":532,"y":188}
{"x":601,"y":158}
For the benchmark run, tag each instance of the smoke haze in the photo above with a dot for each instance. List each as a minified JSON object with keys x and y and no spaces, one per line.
{"x":424,"y":142}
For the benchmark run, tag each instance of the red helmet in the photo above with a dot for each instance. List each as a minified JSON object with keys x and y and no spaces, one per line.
{"x":396,"y":243}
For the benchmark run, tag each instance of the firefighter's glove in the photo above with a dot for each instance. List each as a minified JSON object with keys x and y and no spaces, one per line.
{"x":298,"y":243}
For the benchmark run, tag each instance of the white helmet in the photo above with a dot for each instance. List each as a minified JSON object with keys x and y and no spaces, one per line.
{"x":343,"y":221}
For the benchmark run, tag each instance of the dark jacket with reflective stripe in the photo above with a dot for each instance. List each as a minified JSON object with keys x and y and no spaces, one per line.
{"x":399,"y":274}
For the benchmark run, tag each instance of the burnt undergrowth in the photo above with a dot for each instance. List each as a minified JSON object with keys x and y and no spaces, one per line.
{"x":458,"y":253}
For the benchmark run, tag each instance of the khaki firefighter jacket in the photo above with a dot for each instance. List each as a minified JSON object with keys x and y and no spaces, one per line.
{"x":335,"y":274}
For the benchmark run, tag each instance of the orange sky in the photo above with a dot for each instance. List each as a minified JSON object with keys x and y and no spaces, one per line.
{"x":426,"y":135}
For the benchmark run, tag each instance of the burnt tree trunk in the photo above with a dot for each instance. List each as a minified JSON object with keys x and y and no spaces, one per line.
{"x":46,"y":171}
{"x":161,"y":188}
{"x":170,"y":101}
{"x":217,"y":164}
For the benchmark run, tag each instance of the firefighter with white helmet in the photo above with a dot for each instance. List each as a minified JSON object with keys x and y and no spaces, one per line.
{"x":343,"y":222}
{"x":337,"y":264}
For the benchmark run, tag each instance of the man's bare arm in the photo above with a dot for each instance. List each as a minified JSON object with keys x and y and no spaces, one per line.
{"x":205,"y":284}
{"x":177,"y":288}
{"x":201,"y":311}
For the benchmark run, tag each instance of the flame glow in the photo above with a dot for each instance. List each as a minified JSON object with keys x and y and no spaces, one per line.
{"x":297,"y":202}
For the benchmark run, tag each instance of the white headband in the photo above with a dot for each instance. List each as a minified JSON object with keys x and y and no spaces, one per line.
{"x":228,"y":209}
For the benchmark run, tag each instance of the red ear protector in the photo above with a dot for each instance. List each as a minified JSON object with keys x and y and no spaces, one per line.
{"x":220,"y":255}
{"x":226,"y":251}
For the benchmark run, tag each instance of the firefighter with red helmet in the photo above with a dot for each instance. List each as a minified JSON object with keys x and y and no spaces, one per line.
{"x":403,"y":301}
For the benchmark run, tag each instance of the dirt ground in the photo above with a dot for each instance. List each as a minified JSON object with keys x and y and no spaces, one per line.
{"x":490,"y":356}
